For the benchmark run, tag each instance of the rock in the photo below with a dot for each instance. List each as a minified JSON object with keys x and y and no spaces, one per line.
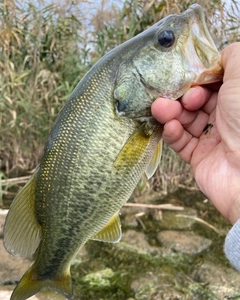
{"x":3,"y":214}
{"x":11,"y":268}
{"x":154,"y":286}
{"x":129,"y":215}
{"x":182,"y":220}
{"x":81,"y":257}
{"x":6,"y":291}
{"x":184,"y":242}
{"x":223,"y":281}
{"x":130,"y":221}
{"x":139,"y":241}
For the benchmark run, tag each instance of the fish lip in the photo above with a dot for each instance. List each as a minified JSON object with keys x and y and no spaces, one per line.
{"x":205,"y":53}
{"x":197,"y":16}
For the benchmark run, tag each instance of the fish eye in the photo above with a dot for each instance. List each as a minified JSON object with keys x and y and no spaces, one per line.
{"x":166,"y":38}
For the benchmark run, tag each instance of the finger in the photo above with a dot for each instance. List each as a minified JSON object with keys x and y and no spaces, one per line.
{"x":194,"y":123}
{"x":229,"y":94}
{"x":181,"y":141}
{"x":196,"y":98}
{"x":211,"y":104}
{"x":163,"y":110}
{"x":230,"y":62}
{"x":206,"y":144}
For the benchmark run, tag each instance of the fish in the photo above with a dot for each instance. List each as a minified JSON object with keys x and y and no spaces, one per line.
{"x":103,"y":140}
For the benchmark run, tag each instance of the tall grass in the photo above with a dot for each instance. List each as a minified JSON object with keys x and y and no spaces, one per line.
{"x":46,"y":49}
{"x":42,"y":57}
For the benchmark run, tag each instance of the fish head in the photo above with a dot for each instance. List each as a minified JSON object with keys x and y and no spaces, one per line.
{"x":167,"y":59}
{"x":200,"y":54}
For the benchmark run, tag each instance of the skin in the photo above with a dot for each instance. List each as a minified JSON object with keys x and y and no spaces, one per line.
{"x":214,"y":154}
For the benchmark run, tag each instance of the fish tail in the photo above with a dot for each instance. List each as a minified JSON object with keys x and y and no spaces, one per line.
{"x":30,"y":285}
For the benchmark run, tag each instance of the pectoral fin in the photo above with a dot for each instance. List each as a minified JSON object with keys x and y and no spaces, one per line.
{"x":22,"y":232}
{"x":155,"y":160}
{"x":111,"y":232}
{"x":133,"y":150}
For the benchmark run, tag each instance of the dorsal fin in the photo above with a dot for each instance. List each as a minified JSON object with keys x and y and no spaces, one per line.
{"x":22,"y":232}
{"x":111,"y":232}
{"x":155,"y":160}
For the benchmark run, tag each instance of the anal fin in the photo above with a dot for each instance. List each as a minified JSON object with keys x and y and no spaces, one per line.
{"x":111,"y":232}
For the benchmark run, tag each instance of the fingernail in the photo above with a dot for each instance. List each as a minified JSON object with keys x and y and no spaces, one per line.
{"x":191,"y":94}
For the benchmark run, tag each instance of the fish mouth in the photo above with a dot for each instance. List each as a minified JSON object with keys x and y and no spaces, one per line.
{"x":202,"y":52}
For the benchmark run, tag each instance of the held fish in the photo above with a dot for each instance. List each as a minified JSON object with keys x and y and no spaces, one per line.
{"x":102,"y":142}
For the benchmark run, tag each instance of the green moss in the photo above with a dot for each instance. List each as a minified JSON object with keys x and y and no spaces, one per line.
{"x":199,"y":291}
{"x":117,"y":266}
{"x":136,"y":269}
{"x":104,"y":284}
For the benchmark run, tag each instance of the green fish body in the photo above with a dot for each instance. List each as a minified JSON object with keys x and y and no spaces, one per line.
{"x":102,"y":142}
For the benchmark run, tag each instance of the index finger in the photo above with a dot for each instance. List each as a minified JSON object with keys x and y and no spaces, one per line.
{"x":196,"y":98}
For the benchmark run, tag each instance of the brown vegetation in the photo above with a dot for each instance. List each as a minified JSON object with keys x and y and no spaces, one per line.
{"x":46,"y":49}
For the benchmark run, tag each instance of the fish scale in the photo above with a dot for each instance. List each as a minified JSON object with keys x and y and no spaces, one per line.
{"x":81,"y":170}
{"x":102,"y":142}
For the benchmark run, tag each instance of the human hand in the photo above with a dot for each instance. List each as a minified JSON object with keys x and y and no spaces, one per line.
{"x":214,"y":153}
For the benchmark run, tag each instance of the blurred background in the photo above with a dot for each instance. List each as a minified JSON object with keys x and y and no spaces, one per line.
{"x":46,"y":47}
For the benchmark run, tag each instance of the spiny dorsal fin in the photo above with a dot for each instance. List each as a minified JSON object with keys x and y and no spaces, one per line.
{"x":155,"y":160}
{"x":22,"y":232}
{"x":111,"y":232}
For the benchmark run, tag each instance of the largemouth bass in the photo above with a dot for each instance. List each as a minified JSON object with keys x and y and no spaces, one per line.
{"x":102,"y":142}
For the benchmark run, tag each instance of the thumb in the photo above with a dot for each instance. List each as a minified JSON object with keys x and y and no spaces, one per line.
{"x":228,"y":108}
